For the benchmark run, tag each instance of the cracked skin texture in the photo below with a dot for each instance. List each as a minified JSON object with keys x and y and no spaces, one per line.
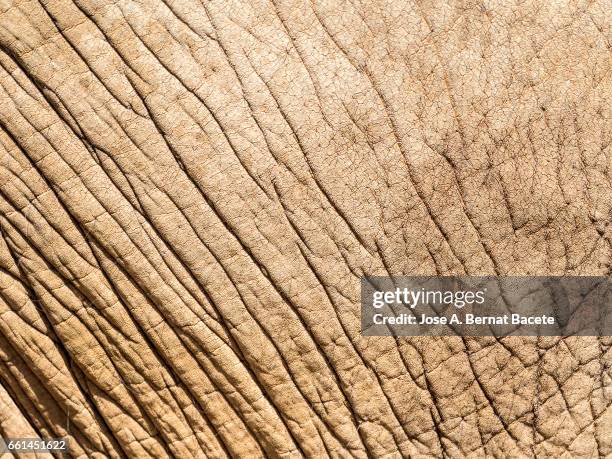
{"x":190,"y":191}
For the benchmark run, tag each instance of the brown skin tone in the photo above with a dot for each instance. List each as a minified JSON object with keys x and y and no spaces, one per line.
{"x":191,"y":191}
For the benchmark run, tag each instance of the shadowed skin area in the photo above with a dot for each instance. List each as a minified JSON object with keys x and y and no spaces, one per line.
{"x":190,"y":192}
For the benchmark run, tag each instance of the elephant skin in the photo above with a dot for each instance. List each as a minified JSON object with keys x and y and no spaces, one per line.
{"x":191,"y":191}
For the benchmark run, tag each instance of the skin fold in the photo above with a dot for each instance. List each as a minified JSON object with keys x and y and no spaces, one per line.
{"x":190,"y":192}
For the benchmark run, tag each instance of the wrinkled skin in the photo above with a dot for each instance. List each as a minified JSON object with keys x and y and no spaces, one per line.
{"x":190,"y":192}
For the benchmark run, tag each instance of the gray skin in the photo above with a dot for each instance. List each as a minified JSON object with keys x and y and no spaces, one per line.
{"x":190,"y":192}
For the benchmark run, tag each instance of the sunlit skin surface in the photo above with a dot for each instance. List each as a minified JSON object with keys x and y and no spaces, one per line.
{"x":191,"y":191}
